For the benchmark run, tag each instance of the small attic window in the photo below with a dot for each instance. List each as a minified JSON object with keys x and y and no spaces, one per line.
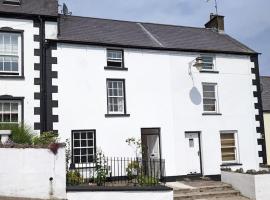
{"x":12,"y":2}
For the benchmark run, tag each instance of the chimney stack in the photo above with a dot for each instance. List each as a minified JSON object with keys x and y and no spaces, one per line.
{"x":216,"y":23}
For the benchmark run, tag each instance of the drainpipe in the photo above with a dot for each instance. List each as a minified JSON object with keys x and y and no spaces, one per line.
{"x":43,"y":84}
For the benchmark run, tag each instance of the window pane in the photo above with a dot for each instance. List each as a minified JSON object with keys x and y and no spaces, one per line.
{"x":83,"y":151}
{"x":90,"y":158}
{"x":6,"y":117}
{"x":209,"y":94}
{"x":77,"y":159}
{"x":7,"y":65}
{"x":76,"y":135}
{"x":90,"y":151}
{"x":76,"y":143}
{"x":209,"y":88}
{"x":209,"y":108}
{"x":83,"y":135}
{"x":14,"y":107}
{"x":90,"y":143}
{"x":209,"y":101}
{"x":114,"y":64}
{"x":90,"y":135}
{"x":76,"y":152}
{"x":1,"y":64}
{"x":14,"y":64}
{"x":14,"y":117}
{"x":83,"y":143}
{"x":227,"y":136}
{"x":83,"y":159}
{"x":6,"y":107}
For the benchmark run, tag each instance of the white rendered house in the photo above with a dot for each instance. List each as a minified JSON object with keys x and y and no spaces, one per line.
{"x":99,"y":82}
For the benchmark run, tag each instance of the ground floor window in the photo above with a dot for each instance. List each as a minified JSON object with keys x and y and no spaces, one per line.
{"x":83,"y":146}
{"x":10,"y":111}
{"x":229,"y":146}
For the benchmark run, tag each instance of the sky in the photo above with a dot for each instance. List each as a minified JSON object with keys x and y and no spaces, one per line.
{"x":246,"y":20}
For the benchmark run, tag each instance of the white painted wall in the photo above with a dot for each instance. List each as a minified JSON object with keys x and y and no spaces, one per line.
{"x":166,"y":195}
{"x":26,"y":173}
{"x":255,"y":187}
{"x":24,"y":87}
{"x":158,"y":90}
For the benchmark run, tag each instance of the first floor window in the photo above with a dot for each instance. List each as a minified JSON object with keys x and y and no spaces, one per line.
{"x":9,"y":112}
{"x":209,"y":97}
{"x":116,"y":96}
{"x":228,"y":146}
{"x":208,"y":62}
{"x":83,"y":146}
{"x":115,"y":58}
{"x":10,"y":52}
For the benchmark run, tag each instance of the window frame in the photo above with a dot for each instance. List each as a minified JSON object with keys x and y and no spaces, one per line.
{"x":236,"y":147}
{"x":216,"y":111}
{"x":72,"y":146}
{"x":20,"y":73}
{"x":109,"y":67}
{"x":116,"y":114}
{"x":20,"y":101}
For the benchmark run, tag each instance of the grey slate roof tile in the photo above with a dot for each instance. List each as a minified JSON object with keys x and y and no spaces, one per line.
{"x":265,"y":82}
{"x":115,"y":32}
{"x":32,"y":7}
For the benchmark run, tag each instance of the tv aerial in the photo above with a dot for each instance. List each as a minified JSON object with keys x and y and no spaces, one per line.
{"x":65,"y":10}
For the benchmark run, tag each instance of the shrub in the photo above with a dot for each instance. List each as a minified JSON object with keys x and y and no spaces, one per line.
{"x":147,"y":180}
{"x":239,"y":170}
{"x":74,"y":178}
{"x":226,"y":169}
{"x":101,"y":175}
{"x":133,"y":169}
{"x":46,"y":138}
{"x":20,"y":133}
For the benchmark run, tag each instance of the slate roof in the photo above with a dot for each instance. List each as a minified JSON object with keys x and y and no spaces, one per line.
{"x":32,"y":7}
{"x":265,"y":82}
{"x":147,"y":35}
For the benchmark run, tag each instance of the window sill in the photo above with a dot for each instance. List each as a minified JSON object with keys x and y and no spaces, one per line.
{"x":116,"y":115}
{"x":116,"y":68}
{"x":230,"y":164}
{"x":11,"y":77}
{"x":209,"y":71}
{"x":211,"y":113}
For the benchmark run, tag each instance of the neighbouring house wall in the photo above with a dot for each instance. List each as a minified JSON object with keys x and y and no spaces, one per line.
{"x":267,"y":135}
{"x":24,"y":86}
{"x":159,"y":93}
{"x":26,"y":173}
{"x":156,"y":195}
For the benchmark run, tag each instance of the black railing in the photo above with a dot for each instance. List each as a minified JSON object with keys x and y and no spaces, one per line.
{"x":106,"y":171}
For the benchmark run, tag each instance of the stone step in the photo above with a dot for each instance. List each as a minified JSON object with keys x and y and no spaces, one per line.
{"x":202,"y":195}
{"x":204,"y":189}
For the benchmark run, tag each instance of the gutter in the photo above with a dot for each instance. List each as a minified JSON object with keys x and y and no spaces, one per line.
{"x":152,"y":48}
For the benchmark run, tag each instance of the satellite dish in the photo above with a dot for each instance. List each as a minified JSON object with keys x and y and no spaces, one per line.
{"x":65,"y":10}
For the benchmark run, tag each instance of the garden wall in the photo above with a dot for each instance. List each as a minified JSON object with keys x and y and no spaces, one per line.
{"x":255,"y":187}
{"x":32,"y":173}
{"x":121,"y":195}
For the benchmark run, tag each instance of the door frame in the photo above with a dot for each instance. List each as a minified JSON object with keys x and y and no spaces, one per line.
{"x":200,"y":149}
{"x":159,"y":138}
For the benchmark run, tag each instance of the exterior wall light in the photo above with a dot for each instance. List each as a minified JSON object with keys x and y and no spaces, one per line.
{"x":197,"y":63}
